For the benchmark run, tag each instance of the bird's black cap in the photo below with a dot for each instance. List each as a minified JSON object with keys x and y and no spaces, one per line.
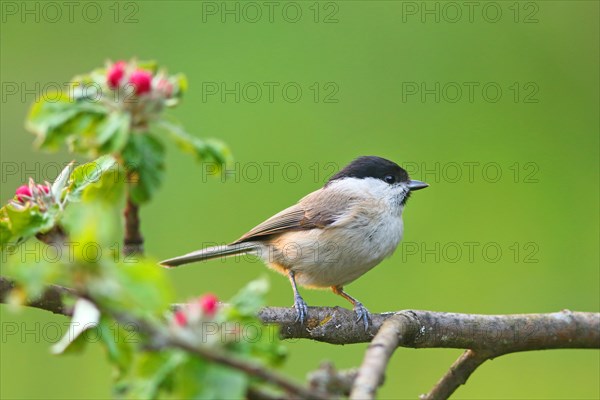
{"x":372,"y":167}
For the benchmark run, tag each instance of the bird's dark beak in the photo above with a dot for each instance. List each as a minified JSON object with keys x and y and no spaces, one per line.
{"x":416,"y":185}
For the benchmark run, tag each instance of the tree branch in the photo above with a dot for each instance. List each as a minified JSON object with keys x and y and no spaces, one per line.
{"x":430,"y":329}
{"x":51,"y":300}
{"x":166,"y":338}
{"x":133,"y":242}
{"x":486,"y":336}
{"x":372,"y":371}
{"x":423,"y":329}
{"x":457,"y":375}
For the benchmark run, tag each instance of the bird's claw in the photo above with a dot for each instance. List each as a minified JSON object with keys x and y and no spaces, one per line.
{"x":301,"y":309}
{"x":362,"y":313}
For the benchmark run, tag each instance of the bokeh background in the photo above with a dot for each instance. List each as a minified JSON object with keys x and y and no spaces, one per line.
{"x":367,"y":58}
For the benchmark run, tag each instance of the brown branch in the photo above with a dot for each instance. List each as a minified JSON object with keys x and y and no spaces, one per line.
{"x":133,"y":242}
{"x":425,"y":329}
{"x":430,"y":329}
{"x":55,"y":236}
{"x":372,"y":371}
{"x":330,"y":380}
{"x":162,"y":337}
{"x":51,"y":300}
{"x":486,"y":336}
{"x":457,"y":375}
{"x":249,"y":368}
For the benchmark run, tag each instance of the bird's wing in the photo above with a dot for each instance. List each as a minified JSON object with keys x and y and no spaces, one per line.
{"x":309,"y":213}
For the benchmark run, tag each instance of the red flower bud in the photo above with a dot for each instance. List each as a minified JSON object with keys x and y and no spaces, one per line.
{"x":23,"y":191}
{"x":44,"y":188}
{"x":141,"y":81}
{"x":180,"y":318}
{"x":115,"y":74}
{"x":208,"y":304}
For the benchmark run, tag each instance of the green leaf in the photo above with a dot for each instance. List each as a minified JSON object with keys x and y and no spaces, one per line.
{"x":119,"y":342}
{"x":219,"y":152}
{"x":87,"y":174}
{"x":209,"y":150}
{"x":144,"y":159}
{"x":196,"y":379}
{"x":135,"y":284}
{"x":150,"y":373}
{"x":250,"y":298}
{"x":223,"y":383}
{"x":108,"y":189}
{"x":56,"y":118}
{"x":44,"y":118}
{"x":84,"y":129}
{"x":5,"y":233}
{"x":35,"y":265}
{"x":113,"y":132}
{"x":94,"y":228}
{"x":25,"y":222}
{"x":259,"y":341}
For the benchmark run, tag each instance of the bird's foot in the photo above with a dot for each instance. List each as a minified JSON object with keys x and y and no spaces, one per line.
{"x":362,"y":314}
{"x":301,"y":309}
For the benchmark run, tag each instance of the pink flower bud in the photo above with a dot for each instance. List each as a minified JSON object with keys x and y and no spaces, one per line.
{"x":180,"y":318}
{"x":165,"y":87}
{"x":23,"y":191}
{"x":141,"y":81}
{"x":208,"y":304}
{"x":115,"y":74}
{"x":44,"y":188}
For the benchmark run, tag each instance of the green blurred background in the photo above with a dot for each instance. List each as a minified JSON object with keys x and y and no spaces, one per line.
{"x":370,"y":52}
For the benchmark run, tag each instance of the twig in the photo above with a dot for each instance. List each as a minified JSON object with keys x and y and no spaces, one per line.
{"x":330,"y":380}
{"x":133,"y":242}
{"x":165,"y":338}
{"x":247,"y":367}
{"x":457,"y":375}
{"x":372,"y":371}
{"x":50,"y":300}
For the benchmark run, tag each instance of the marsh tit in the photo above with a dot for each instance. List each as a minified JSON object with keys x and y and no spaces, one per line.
{"x":331,"y":236}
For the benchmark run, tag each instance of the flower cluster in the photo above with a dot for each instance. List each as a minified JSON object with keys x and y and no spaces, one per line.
{"x":140,"y":89}
{"x":122,"y":75}
{"x":33,"y":194}
{"x":200,"y":310}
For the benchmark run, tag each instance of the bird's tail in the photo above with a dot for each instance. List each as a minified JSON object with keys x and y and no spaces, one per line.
{"x":210,"y":253}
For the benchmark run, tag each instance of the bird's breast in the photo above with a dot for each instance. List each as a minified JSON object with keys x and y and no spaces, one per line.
{"x":341,"y":253}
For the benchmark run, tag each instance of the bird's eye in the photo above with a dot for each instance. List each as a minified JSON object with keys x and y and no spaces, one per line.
{"x":389,"y":179}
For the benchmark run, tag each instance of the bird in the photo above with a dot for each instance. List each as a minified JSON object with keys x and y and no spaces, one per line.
{"x":333,"y":235}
